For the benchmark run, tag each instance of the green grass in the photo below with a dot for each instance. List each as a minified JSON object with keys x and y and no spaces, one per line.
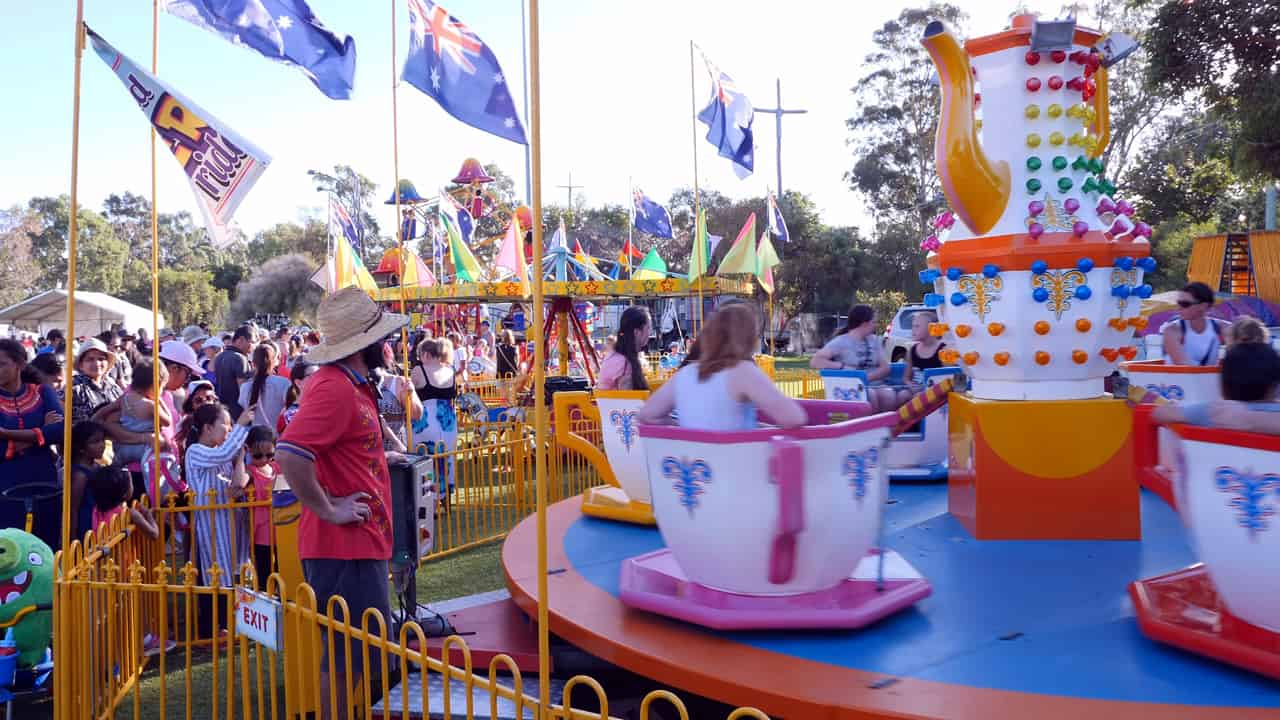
{"x":791,"y":362}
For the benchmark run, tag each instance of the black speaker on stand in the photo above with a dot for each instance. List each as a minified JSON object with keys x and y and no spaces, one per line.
{"x":413,"y":519}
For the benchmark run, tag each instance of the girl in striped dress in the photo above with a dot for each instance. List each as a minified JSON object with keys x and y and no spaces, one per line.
{"x":216,"y":475}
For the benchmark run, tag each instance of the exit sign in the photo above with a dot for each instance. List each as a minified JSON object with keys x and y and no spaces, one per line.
{"x":259,"y":617}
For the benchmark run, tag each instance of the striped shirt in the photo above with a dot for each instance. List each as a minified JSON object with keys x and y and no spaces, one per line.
{"x":222,"y":535}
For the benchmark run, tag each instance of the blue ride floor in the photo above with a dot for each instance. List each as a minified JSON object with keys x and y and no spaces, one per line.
{"x":1027,"y":616}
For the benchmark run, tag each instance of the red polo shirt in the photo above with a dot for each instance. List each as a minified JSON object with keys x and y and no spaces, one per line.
{"x":337,"y":427}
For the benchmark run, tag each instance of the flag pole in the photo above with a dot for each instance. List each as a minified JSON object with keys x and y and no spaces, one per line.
{"x":395,"y":169}
{"x":631,"y":190}
{"x":73,"y":230}
{"x":524,"y":76}
{"x":539,"y":368}
{"x":693,"y":104}
{"x":155,"y":265}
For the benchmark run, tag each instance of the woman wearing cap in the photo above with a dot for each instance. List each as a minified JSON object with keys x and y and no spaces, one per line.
{"x":92,"y":387}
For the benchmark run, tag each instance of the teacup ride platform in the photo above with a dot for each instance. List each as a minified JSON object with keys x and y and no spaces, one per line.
{"x":1011,"y":629}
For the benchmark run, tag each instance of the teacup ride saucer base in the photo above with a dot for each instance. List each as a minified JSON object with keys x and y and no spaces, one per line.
{"x":1184,"y":609}
{"x":935,"y":472}
{"x":612,"y":503}
{"x":655,"y":582}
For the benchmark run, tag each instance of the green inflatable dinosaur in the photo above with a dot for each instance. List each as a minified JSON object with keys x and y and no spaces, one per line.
{"x":26,"y":580}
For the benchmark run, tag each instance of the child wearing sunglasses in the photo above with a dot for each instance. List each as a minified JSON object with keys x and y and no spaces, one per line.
{"x":263,"y":472}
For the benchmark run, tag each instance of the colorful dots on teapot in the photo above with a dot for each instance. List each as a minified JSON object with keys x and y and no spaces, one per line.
{"x":1041,"y":327}
{"x":971,"y":358}
{"x":1043,"y":357}
{"x":995,"y":329}
{"x":1001,"y":358}
{"x":1083,"y":325}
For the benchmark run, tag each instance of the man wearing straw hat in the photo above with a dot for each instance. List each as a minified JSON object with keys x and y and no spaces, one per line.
{"x":332,"y":455}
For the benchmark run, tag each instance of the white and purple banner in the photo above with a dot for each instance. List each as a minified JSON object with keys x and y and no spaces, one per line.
{"x":220,"y":165}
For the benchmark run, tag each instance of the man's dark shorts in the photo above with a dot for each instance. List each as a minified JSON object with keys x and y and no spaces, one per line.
{"x":363,"y":584}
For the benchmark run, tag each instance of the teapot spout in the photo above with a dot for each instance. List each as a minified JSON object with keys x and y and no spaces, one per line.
{"x":977,"y":188}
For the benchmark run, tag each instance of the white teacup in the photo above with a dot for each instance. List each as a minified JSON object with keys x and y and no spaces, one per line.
{"x":769,"y":511}
{"x":621,"y":437}
{"x":1229,"y":498}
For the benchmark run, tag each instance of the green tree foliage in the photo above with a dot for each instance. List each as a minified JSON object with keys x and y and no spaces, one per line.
{"x":893,"y":132}
{"x":281,"y":285}
{"x":17,"y":263}
{"x":1171,"y":247}
{"x":884,"y":302}
{"x":287,"y":238}
{"x":188,"y":297}
{"x":1227,"y":51}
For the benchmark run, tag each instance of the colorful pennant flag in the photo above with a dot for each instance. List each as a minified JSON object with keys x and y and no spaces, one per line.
{"x":653,"y":267}
{"x":220,"y":165}
{"x":416,"y":272}
{"x":349,"y":270}
{"x":628,"y":251}
{"x":741,"y":258}
{"x":283,"y":30}
{"x":511,"y":254}
{"x":449,"y":63}
{"x":728,"y":117}
{"x":581,"y":256}
{"x":339,"y":216}
{"x":465,"y":266}
{"x":767,"y":260}
{"x":699,"y":256}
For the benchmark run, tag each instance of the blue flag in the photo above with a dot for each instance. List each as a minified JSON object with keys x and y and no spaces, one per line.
{"x":448,"y":62}
{"x":777,"y":225}
{"x":650,"y":217}
{"x":728,"y":117}
{"x":283,"y":30}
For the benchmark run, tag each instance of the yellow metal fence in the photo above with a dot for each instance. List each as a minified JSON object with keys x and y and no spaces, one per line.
{"x":121,"y":595}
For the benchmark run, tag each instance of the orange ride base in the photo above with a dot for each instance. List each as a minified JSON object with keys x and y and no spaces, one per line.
{"x":1043,"y":470}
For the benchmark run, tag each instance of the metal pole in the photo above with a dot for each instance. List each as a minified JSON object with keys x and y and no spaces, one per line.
{"x":404,"y":264}
{"x":72,"y":248}
{"x":539,"y":370}
{"x":528,"y":148}
{"x":777,"y":113}
{"x":155,"y":265}
{"x":693,"y":103}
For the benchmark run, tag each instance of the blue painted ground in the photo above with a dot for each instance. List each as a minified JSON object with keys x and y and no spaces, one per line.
{"x":1068,"y":600}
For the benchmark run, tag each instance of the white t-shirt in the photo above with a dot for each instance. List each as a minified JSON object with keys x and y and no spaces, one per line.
{"x":270,"y":401}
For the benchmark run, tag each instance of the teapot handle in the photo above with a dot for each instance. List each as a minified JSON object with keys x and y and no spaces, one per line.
{"x":786,"y":470}
{"x":1101,"y":126}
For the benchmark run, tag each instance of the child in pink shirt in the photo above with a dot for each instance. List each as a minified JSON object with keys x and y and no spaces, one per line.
{"x":263,"y":473}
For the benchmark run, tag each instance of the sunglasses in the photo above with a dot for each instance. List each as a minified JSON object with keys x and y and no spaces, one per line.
{"x":1189,"y":303}
{"x":261,"y":456}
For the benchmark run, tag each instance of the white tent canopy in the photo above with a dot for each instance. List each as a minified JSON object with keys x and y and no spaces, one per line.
{"x":95,"y":313}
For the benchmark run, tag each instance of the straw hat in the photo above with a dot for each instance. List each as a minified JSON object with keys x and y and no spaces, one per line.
{"x":350,"y":321}
{"x":95,"y":344}
{"x":180,"y":353}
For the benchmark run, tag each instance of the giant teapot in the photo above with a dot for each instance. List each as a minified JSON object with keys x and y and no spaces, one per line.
{"x":1037,"y":268}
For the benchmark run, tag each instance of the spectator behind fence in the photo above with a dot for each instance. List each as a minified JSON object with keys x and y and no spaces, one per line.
{"x":332,"y":455}
{"x":232,"y":368}
{"x":624,"y":368}
{"x":263,"y":473}
{"x":216,"y":475}
{"x":266,"y":390}
{"x":30,"y":419}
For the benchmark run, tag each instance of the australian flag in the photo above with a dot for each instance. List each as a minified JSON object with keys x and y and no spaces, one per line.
{"x":777,"y":225}
{"x":728,"y":118}
{"x":342,"y":219}
{"x":651,"y":217}
{"x":448,"y":62}
{"x":283,"y":30}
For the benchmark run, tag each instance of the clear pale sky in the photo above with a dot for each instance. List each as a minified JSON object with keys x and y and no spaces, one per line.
{"x":615,"y":99}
